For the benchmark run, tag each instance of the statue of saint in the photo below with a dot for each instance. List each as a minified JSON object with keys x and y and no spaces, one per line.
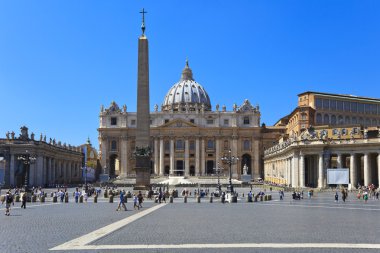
{"x":124,"y":108}
{"x":245,"y":169}
{"x":7,"y":134}
{"x":224,"y":108}
{"x":234,"y":107}
{"x":156,"y":108}
{"x":217,"y":107}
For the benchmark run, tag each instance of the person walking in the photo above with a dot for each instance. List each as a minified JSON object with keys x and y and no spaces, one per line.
{"x":140,"y":199}
{"x":336,"y":197}
{"x":8,"y":202}
{"x":135,"y":202}
{"x":23,"y":200}
{"x":121,"y":202}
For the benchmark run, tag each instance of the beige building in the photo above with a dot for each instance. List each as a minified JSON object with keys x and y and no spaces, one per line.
{"x":51,"y":162}
{"x":317,"y":108}
{"x":188,"y":137}
{"x":327,"y":131}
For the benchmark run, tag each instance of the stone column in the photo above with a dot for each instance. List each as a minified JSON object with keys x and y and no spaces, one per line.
{"x":104,"y":153}
{"x":367,"y":169}
{"x":12,"y":170}
{"x":156,"y":157}
{"x":217,"y":151}
{"x":353,"y":171}
{"x":234,"y":153}
{"x":295,"y":182}
{"x":378,"y":168}
{"x":162,"y":153}
{"x":320,"y":171}
{"x":203,"y":160}
{"x":187,"y":161}
{"x":302,"y":171}
{"x":197,"y":161}
{"x":123,"y":158}
{"x":339,"y":160}
{"x":171,"y":156}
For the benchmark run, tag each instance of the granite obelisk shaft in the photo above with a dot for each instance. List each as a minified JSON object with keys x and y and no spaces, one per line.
{"x":143,"y":117}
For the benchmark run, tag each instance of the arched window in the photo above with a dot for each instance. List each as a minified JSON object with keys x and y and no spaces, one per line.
{"x":333,"y":120}
{"x":247,"y":145}
{"x":347,"y":120}
{"x":113,"y":145}
{"x":210,"y":144}
{"x":179,"y":145}
{"x":340,"y":120}
{"x":167,"y":146}
{"x":326,"y":119}
{"x":319,"y":118}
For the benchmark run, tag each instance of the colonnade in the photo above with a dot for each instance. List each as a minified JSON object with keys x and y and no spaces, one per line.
{"x":194,"y":158}
{"x":45,"y":170}
{"x":309,"y":169}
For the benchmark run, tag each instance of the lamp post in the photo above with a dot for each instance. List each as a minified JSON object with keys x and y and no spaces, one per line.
{"x":217,"y":171}
{"x":85,"y":177}
{"x":229,"y":159}
{"x":26,"y":159}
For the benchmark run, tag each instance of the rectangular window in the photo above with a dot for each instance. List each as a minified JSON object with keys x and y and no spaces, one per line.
{"x":192,"y":121}
{"x":374,"y":109}
{"x":246,"y":145}
{"x":167,"y":146}
{"x":166,"y":121}
{"x":113,"y":121}
{"x":339,"y":105}
{"x":210,"y":144}
{"x":210,"y":121}
{"x":133,"y":122}
{"x":226,"y":145}
{"x":354,"y":107}
{"x":246,"y":120}
{"x":326,"y":104}
{"x":179,"y":145}
{"x":192,"y":145}
{"x":367,"y":108}
{"x":226,"y":122}
{"x":346,"y":106}
{"x":318,"y":103}
{"x":360,"y":108}
{"x":333,"y":105}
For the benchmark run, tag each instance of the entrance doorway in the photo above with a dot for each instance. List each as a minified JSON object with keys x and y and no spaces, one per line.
{"x":179,"y":169}
{"x":192,"y":170}
{"x":210,"y":167}
{"x":113,"y":160}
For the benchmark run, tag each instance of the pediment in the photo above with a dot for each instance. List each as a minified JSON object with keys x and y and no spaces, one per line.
{"x":179,"y":123}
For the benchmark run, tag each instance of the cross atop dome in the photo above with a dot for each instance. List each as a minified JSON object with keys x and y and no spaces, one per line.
{"x":187,"y":74}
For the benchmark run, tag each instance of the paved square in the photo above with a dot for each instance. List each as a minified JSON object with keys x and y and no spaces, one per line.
{"x":316,"y":225}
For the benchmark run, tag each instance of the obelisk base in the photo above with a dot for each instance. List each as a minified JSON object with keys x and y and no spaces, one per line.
{"x":142,"y":173}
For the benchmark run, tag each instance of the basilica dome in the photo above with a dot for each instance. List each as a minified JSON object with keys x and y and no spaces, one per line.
{"x":187,"y":94}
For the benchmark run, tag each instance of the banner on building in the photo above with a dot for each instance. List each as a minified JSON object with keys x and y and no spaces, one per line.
{"x":338,"y":176}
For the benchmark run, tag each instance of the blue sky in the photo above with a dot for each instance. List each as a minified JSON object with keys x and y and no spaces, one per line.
{"x":60,"y":60}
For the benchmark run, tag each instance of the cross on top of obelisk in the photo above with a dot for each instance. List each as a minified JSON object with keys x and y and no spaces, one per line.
{"x":143,"y":20}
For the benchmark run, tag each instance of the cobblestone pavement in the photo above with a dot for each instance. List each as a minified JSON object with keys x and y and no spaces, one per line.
{"x":214,"y":226}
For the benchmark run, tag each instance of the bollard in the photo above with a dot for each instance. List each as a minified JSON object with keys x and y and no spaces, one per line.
{"x":261,"y":198}
{"x":105,"y":194}
{"x":199,"y":199}
{"x":55,"y":199}
{"x":211,"y":199}
{"x":125,"y":199}
{"x":266,"y":198}
{"x":171,"y":199}
{"x":185,"y":199}
{"x":66,"y":198}
{"x":81,"y":199}
{"x":34,"y":198}
{"x":234,"y":199}
{"x":42,"y":199}
{"x":45,"y":195}
{"x":96,"y":199}
{"x":270,"y":197}
{"x":17,"y":198}
{"x":51,"y":195}
{"x":110,"y":200}
{"x":255,"y":198}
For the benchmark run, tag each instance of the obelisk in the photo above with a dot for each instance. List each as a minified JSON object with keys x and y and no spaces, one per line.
{"x":143,"y":151}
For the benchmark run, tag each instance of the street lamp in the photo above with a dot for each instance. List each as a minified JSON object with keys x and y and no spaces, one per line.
{"x":85,"y":177}
{"x":26,"y":159}
{"x":217,"y":171}
{"x":230,"y":160}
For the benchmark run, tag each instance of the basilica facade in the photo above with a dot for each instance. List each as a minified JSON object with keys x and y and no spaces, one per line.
{"x":188,"y":137}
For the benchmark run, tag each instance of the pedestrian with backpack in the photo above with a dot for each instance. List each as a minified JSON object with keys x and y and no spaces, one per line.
{"x":8,"y":201}
{"x":23,"y":200}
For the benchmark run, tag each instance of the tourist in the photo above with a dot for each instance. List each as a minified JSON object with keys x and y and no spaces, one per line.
{"x":140,"y":198}
{"x":76,"y":194}
{"x":23,"y":200}
{"x":336,"y":197}
{"x":8,"y":201}
{"x":121,"y":202}
{"x":135,"y":200}
{"x":365,"y":196}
